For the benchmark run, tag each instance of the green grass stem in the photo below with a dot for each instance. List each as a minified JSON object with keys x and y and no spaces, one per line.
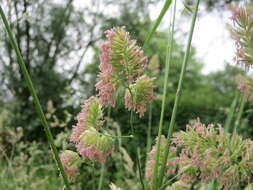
{"x":239,"y":115}
{"x":165,"y":89}
{"x":231,"y":113}
{"x":178,"y":95}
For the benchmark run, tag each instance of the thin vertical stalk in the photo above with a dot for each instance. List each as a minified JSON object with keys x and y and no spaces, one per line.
{"x":132,"y":129}
{"x":93,"y":176}
{"x":148,"y":148}
{"x":165,"y":89}
{"x":229,"y":119}
{"x":137,"y":156}
{"x":178,"y":94}
{"x":158,"y":21}
{"x":35,"y":98}
{"x":102,"y":171}
{"x":139,"y":168}
{"x":239,"y":115}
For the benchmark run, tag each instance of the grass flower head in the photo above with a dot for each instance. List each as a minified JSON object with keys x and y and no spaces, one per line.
{"x":70,"y":161}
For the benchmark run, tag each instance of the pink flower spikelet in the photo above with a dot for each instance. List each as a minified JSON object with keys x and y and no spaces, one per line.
{"x":95,"y":146}
{"x":171,"y":163}
{"x":245,"y":84}
{"x":70,"y":161}
{"x":139,"y":95}
{"x":242,"y":33}
{"x":106,"y":86}
{"x":206,"y":153}
{"x":121,"y":60}
{"x":87,"y":118}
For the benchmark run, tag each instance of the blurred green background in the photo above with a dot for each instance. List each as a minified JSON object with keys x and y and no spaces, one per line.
{"x":59,"y":42}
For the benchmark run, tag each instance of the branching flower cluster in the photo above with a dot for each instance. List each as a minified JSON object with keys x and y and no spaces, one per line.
{"x":122,"y":65}
{"x":205,"y":153}
{"x":242,"y":32}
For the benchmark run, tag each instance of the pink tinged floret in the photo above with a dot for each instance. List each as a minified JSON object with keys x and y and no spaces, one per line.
{"x":76,"y":133}
{"x":235,"y":14}
{"x":245,"y":84}
{"x":92,"y":152}
{"x":95,"y":146}
{"x":69,"y":161}
{"x":142,"y":92}
{"x":110,"y":34}
{"x":81,"y":118}
{"x":105,"y":86}
{"x":149,"y":168}
{"x":106,"y":92}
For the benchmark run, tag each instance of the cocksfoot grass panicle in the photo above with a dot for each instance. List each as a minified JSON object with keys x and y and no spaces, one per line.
{"x":202,"y":154}
{"x":209,"y":153}
{"x":242,"y":32}
{"x":245,"y":85}
{"x":122,"y":64}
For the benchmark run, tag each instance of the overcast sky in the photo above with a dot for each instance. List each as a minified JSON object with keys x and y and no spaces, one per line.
{"x":211,"y":38}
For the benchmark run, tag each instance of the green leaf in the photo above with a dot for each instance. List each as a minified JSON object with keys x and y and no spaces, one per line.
{"x":158,"y":21}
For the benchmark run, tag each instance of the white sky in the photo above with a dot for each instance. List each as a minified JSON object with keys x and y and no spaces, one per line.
{"x":211,"y":38}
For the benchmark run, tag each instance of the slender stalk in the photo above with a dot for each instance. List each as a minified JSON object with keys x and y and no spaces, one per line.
{"x":132,"y":129}
{"x":35,"y":98}
{"x":137,"y":158}
{"x":231,"y":112}
{"x":239,"y":115}
{"x":93,"y":175}
{"x":139,"y":168}
{"x":158,"y":21}
{"x":165,"y":89}
{"x":117,"y":137}
{"x":178,"y":94}
{"x":148,"y":148}
{"x":102,"y":172}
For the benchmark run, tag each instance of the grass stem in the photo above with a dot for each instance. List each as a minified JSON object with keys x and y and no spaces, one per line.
{"x":101,"y":178}
{"x":239,"y":115}
{"x":178,"y":95}
{"x":232,"y":109}
{"x":165,"y":89}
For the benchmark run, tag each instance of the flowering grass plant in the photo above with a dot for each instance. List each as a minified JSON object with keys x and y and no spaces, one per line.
{"x":201,"y":157}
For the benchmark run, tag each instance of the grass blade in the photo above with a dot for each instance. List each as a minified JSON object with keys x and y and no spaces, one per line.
{"x":229,"y":119}
{"x":158,"y":21}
